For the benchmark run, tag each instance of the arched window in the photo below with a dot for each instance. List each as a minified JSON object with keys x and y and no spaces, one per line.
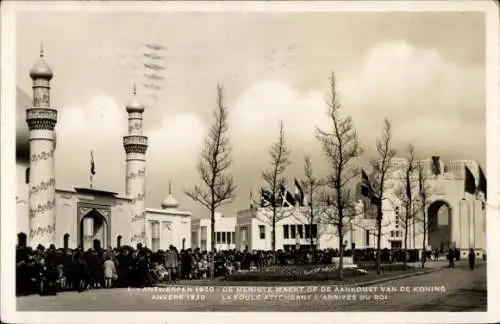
{"x":118,"y":241}
{"x":21,"y":240}
{"x":66,"y":240}
{"x":27,"y":176}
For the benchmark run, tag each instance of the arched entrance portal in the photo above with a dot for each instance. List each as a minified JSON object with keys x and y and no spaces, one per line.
{"x":93,"y":231}
{"x":439,"y":226}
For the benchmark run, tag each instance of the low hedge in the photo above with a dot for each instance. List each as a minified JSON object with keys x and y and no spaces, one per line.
{"x":307,"y":273}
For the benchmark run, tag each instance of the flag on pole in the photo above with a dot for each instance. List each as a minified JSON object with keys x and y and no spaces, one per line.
{"x":436,"y":165}
{"x":300,"y":193}
{"x":482,"y":186}
{"x":287,"y":197}
{"x":265,"y":198}
{"x":470,"y":182}
{"x":366,"y":185}
{"x":92,"y":165}
{"x":368,"y":190}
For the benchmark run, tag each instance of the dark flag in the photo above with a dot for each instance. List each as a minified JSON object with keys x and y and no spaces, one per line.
{"x":481,"y":186}
{"x":300,"y":193}
{"x":366,"y":186}
{"x":420,"y":180}
{"x":287,"y":198}
{"x":470,"y":182}
{"x":436,"y":166}
{"x":92,"y":165}
{"x":367,"y":189}
{"x":266,"y":198}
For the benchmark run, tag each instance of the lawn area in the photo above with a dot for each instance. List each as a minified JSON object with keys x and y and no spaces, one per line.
{"x":325,"y":274}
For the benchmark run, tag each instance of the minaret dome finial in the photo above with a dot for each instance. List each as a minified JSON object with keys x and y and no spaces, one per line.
{"x":135,"y":105}
{"x":41,"y":49}
{"x":169,"y":188}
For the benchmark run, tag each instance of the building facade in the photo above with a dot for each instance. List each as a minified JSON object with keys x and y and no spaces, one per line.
{"x":453,"y":218}
{"x":85,"y":217}
{"x":225,"y":235}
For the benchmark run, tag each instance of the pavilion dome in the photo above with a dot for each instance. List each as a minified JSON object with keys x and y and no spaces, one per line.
{"x":170,"y":202}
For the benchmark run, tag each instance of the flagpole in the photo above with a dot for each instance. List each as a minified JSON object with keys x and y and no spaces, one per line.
{"x":91,"y":168}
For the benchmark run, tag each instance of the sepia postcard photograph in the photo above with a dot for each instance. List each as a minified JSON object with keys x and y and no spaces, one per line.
{"x":251,"y":161}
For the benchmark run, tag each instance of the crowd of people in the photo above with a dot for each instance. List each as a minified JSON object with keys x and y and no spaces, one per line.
{"x":49,"y":270}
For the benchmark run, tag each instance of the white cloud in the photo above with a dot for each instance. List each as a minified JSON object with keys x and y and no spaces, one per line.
{"x":256,"y":115}
{"x":177,"y":143}
{"x":97,"y":125}
{"x":429,"y":100}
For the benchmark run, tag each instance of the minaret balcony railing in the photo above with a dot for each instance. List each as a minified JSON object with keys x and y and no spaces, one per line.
{"x":41,"y":118}
{"x":135,"y":143}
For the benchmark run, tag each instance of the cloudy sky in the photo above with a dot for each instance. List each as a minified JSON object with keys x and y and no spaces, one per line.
{"x":425,"y":72}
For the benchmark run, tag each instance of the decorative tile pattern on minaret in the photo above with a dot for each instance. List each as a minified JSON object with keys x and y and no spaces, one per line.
{"x":41,"y":120}
{"x":135,"y":145}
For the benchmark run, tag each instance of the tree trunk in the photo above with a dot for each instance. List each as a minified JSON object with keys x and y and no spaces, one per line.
{"x":341,"y":251}
{"x":424,"y":245}
{"x":311,"y":238}
{"x":212,"y":244}
{"x":406,"y":243}
{"x":273,"y":236}
{"x":407,"y":226}
{"x":379,"y":236}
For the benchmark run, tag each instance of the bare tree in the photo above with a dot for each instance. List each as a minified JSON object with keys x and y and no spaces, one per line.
{"x":341,"y":146}
{"x":315,"y":209}
{"x":275,"y":180}
{"x":382,"y":166}
{"x":218,"y":187}
{"x":424,"y":192}
{"x":404,"y":194}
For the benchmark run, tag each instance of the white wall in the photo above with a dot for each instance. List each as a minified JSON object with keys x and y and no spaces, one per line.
{"x":22,"y":203}
{"x":121,"y":218}
{"x":222,"y":224}
{"x":175,"y":228}
{"x":66,"y":218}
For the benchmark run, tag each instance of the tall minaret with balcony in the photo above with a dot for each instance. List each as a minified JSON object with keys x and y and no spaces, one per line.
{"x":136,"y":144}
{"x":41,"y":120}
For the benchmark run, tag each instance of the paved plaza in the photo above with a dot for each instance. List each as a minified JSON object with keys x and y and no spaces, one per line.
{"x":457,"y":289}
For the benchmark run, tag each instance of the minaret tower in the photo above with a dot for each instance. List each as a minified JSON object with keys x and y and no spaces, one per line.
{"x":41,"y":120}
{"x":135,"y":145}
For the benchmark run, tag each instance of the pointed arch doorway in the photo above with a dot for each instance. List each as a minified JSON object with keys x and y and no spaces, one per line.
{"x":93,"y":230}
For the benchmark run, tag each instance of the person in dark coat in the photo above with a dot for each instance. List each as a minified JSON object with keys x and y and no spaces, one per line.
{"x":451,"y":258}
{"x":186,"y":263}
{"x":47,"y":278}
{"x":142,"y":269}
{"x":472,"y":259}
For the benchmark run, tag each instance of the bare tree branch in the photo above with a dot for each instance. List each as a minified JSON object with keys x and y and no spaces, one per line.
{"x":341,"y":146}
{"x":382,"y":166}
{"x":274,"y":180}
{"x":218,"y":187}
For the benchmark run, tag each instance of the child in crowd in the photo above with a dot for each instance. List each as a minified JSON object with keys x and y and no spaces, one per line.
{"x":109,"y":272}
